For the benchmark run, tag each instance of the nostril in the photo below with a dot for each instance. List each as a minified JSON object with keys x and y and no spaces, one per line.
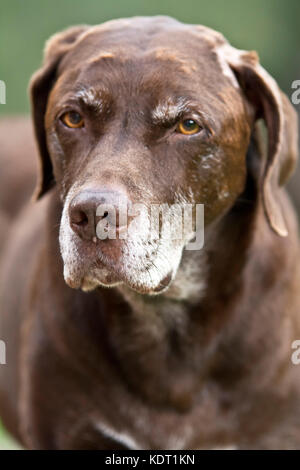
{"x":79,"y":218}
{"x":88,"y":208}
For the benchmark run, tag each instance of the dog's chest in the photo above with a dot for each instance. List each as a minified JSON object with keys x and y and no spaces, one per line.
{"x":138,"y":426}
{"x":176,"y":440}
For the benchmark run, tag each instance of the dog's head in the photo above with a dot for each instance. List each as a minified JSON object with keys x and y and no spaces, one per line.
{"x":150,"y":111}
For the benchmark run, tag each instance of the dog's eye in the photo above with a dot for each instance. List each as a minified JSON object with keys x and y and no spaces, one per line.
{"x":188,"y":127}
{"x":72,"y":119}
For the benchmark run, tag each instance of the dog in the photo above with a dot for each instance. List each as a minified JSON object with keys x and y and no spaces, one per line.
{"x":131,"y":343}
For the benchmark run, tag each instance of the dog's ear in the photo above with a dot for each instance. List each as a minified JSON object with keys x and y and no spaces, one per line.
{"x":271,"y":104}
{"x":40,"y":86}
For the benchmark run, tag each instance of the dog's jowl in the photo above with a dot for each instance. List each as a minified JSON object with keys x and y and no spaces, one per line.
{"x":131,"y":340}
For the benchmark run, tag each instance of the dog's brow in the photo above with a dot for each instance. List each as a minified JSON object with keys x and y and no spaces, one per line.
{"x":169,"y":110}
{"x":90,"y":97}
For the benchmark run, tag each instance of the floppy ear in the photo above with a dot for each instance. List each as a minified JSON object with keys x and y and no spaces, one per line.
{"x":271,"y":104}
{"x":40,"y":87}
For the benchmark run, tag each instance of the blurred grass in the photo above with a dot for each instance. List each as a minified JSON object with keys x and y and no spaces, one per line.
{"x":6,"y":442}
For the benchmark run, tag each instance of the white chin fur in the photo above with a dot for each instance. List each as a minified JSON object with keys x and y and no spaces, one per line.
{"x":143,"y":266}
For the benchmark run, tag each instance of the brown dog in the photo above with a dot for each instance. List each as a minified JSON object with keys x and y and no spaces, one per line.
{"x":187,"y":349}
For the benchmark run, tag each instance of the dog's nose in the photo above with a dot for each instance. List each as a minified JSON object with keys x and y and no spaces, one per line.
{"x":89,"y":207}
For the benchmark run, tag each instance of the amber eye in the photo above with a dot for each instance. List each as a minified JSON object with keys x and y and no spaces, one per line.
{"x":72,"y":119}
{"x":188,"y":127}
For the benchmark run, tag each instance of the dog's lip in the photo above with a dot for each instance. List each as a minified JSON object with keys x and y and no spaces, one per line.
{"x":115,"y":278}
{"x":164,"y":283}
{"x":109,"y":273}
{"x":119,"y":277}
{"x":162,"y":286}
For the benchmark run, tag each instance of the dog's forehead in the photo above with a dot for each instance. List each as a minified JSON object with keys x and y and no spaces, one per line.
{"x":142,"y":33}
{"x":150,"y":42}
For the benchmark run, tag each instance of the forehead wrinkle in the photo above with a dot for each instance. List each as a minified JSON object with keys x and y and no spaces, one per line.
{"x":103,"y":56}
{"x":167,"y":55}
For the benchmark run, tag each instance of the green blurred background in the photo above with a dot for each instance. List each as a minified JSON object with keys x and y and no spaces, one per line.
{"x":270,"y":27}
